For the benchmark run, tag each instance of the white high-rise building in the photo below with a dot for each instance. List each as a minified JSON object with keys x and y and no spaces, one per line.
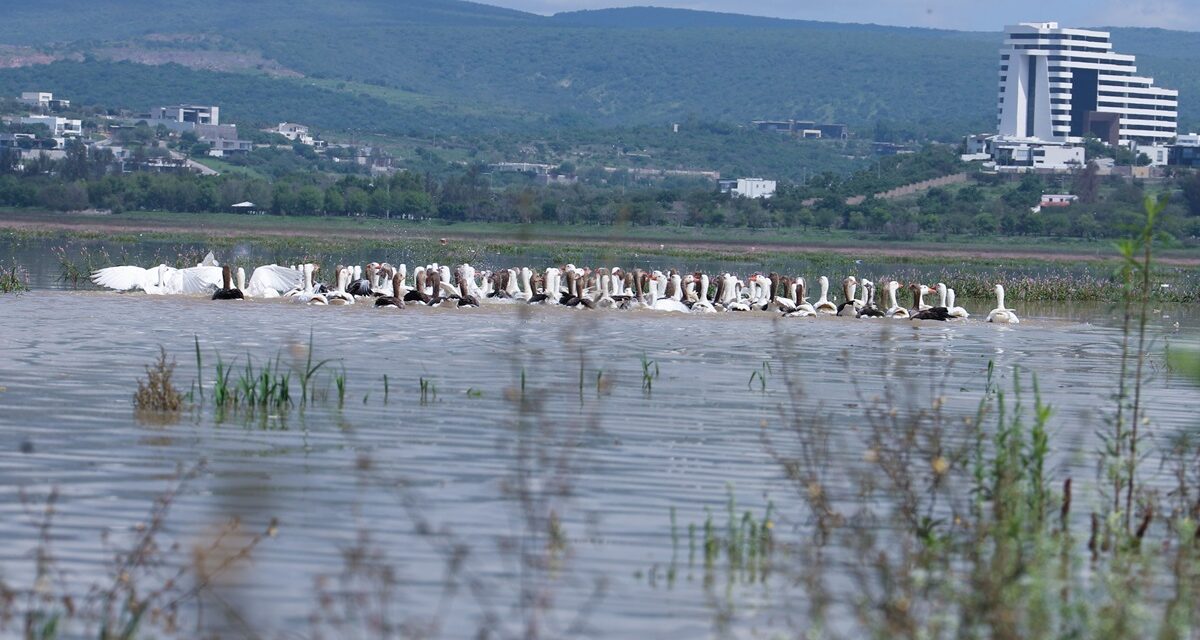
{"x":1061,"y":85}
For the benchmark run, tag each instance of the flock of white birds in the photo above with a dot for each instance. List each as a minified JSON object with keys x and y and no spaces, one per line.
{"x":386,"y":286}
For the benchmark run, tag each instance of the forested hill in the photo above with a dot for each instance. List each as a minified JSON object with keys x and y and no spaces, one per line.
{"x":451,"y":66}
{"x":667,"y":18}
{"x":49,"y":21}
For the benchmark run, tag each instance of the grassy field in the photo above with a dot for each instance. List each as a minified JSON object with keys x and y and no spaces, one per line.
{"x":678,"y":238}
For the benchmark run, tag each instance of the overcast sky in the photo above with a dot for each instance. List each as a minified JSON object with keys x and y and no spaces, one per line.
{"x":980,"y":15}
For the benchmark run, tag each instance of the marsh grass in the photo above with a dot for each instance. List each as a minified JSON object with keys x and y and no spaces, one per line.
{"x":13,"y":279}
{"x":650,"y":373}
{"x":760,"y":375}
{"x":742,"y":548}
{"x":156,"y":397}
{"x":958,"y":526}
{"x":429,"y":392}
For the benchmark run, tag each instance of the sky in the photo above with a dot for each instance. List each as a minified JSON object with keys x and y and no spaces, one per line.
{"x":975,"y":15}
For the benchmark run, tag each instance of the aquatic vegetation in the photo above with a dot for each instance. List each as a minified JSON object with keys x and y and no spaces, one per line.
{"x":428,"y":390}
{"x":760,"y":374}
{"x":13,"y":280}
{"x":743,"y":547}
{"x":960,"y":527}
{"x":156,"y":395}
{"x":650,"y":373}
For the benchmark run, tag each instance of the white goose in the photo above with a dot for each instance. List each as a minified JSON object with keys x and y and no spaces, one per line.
{"x":702,"y":303}
{"x":339,"y":295}
{"x":894,"y":310}
{"x":132,"y":278}
{"x":955,"y":311}
{"x":849,"y":308}
{"x":823,"y":305}
{"x":946,"y":299}
{"x":272,"y":281}
{"x":307,"y":296}
{"x":1000,"y":314}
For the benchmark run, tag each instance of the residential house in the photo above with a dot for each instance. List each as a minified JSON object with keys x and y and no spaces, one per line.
{"x":294,"y":132}
{"x":59,"y":127}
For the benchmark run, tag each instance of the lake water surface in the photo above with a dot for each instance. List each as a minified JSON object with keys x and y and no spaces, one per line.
{"x":454,"y":456}
{"x":493,"y":422}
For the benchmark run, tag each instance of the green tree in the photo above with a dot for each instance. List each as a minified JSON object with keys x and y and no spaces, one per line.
{"x":309,"y":200}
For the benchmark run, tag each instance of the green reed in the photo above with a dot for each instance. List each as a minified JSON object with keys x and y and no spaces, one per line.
{"x":339,"y":380}
{"x":650,"y":373}
{"x":428,"y":390}
{"x":760,"y":375}
{"x":743,"y":546}
{"x":13,"y":280}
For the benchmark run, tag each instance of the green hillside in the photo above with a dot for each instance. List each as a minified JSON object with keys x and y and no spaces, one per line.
{"x":447,"y":66}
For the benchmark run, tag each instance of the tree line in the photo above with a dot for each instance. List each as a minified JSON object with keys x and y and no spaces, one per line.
{"x":988,"y":205}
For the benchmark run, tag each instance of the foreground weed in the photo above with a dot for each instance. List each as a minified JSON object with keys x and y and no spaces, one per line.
{"x":13,"y":280}
{"x":650,"y":373}
{"x":156,"y":395}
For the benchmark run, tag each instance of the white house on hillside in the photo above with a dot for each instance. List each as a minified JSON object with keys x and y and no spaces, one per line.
{"x":59,"y":127}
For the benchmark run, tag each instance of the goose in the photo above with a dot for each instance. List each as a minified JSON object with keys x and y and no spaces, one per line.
{"x":497,"y":287}
{"x":786,"y":303}
{"x":894,"y":310}
{"x":861,"y":303}
{"x":227,"y":290}
{"x":549,"y":293}
{"x":823,"y":305}
{"x":763,"y":292}
{"x":870,"y":310}
{"x":955,"y":311}
{"x":132,"y":278}
{"x":523,"y":293}
{"x":605,"y":289}
{"x":574,"y":296}
{"x":381,"y":284}
{"x":272,"y":281}
{"x":418,"y":293}
{"x":363,"y":287}
{"x":465,"y":298}
{"x":199,"y":280}
{"x":946,"y":299}
{"x":919,"y":291}
{"x":803,"y":308}
{"x":673,"y":296}
{"x":1002,"y":315}
{"x":396,"y":300}
{"x":848,"y":309}
{"x":734,"y":294}
{"x":309,"y":295}
{"x":339,"y":295}
{"x":437,"y":287}
{"x":702,"y":303}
